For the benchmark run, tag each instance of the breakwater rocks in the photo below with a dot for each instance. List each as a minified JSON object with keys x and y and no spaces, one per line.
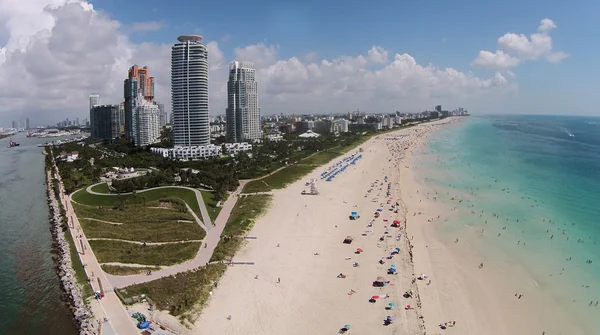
{"x":82,"y":317}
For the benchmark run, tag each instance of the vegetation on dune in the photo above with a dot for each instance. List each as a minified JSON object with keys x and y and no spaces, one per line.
{"x":118,"y":270}
{"x":241,"y":220}
{"x":107,"y":251}
{"x":181,"y":295}
{"x":279,"y":179}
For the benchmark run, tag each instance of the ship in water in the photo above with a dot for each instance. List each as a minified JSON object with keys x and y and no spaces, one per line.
{"x":12,"y":144}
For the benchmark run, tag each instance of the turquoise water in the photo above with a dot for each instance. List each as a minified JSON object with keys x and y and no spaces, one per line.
{"x":543,"y":184}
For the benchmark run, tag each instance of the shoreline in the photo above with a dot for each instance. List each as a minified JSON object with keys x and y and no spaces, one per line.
{"x":81,"y":312}
{"x":488,"y":300}
{"x":298,"y":256}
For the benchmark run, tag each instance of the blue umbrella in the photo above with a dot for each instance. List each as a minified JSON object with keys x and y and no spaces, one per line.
{"x":393,"y":266}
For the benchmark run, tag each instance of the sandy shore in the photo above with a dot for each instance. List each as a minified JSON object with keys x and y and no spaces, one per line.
{"x":290,"y":290}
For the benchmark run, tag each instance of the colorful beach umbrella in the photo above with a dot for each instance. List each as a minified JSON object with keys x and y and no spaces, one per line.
{"x":347,"y":326}
{"x":359,"y":249}
{"x":392,"y":304}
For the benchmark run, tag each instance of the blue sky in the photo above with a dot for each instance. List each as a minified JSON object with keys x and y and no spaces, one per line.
{"x":378,"y":56}
{"x":444,"y":33}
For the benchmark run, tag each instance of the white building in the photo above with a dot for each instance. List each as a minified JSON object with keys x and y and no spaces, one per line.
{"x":234,"y":148}
{"x":341,"y":125}
{"x":189,"y":92}
{"x":274,"y":137}
{"x":309,"y":134}
{"x":200,"y":152}
{"x":147,"y":119}
{"x":242,"y":113}
{"x":94,"y":100}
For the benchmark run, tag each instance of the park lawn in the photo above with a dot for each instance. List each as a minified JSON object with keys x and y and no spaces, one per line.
{"x":279,"y":179}
{"x":134,"y":213}
{"x":80,"y":275}
{"x":166,"y":231}
{"x":154,"y":255}
{"x":126,"y":270}
{"x":323,"y":157}
{"x":241,"y":220}
{"x":182,"y":295}
{"x":101,"y":188}
{"x":110,"y":200}
{"x":211,"y":204}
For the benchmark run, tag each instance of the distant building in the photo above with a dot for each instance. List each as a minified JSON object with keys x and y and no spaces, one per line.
{"x":434,"y":115}
{"x":438,"y":108}
{"x":309,"y":134}
{"x":138,"y":82}
{"x":242,"y":113}
{"x":445,"y":113}
{"x":162,"y":114}
{"x":27,"y":125}
{"x":322,"y":126}
{"x":15,"y":125}
{"x":94,"y":100}
{"x":104,"y":122}
{"x":189,"y":92}
{"x":147,"y":120}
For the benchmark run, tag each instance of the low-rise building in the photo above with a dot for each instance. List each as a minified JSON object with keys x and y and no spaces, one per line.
{"x":201,"y":152}
{"x":234,"y":148}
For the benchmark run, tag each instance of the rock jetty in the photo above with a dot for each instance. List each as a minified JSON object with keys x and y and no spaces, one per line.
{"x":82,"y":316}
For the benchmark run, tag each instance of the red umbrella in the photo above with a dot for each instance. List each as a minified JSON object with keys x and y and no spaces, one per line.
{"x":397,"y":221}
{"x":359,"y":250}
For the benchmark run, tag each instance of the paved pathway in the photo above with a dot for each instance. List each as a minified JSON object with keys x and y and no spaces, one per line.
{"x":202,"y":257}
{"x":138,"y":242}
{"x":119,"y":321}
{"x":207,"y":223}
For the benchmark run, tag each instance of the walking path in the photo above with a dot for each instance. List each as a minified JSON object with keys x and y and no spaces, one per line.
{"x":205,"y":223}
{"x":119,"y":321}
{"x":131,"y":265}
{"x":202,"y":257}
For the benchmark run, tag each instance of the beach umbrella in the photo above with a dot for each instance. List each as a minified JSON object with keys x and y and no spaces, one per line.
{"x":359,"y":249}
{"x":380,"y":209}
{"x":393,"y":266}
{"x":398,"y":249}
{"x":347,"y":326}
{"x":407,"y":307}
{"x":392,"y":304}
{"x":375,"y":297}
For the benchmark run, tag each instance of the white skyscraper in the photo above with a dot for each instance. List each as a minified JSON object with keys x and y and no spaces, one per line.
{"x":147,"y":117}
{"x":94,"y":100}
{"x":243,"y":114}
{"x":189,"y":92}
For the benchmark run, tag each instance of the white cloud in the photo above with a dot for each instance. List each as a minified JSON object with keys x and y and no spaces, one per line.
{"x":516,"y":48}
{"x":546,"y":25}
{"x":71,"y":50}
{"x":147,"y":26}
{"x":495,"y":60}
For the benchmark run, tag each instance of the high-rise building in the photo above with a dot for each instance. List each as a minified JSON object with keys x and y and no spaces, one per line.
{"x":243,"y":114}
{"x":438,"y":108}
{"x":94,"y":100}
{"x":162,"y":113}
{"x":27,"y":125}
{"x":147,"y":122}
{"x":189,"y":92}
{"x":138,"y":82}
{"x":15,"y":125}
{"x":104,"y":121}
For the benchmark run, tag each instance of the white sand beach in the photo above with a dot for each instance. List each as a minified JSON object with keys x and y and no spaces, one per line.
{"x":293,"y":286}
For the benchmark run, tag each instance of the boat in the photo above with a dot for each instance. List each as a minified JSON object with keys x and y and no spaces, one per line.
{"x":12,"y":144}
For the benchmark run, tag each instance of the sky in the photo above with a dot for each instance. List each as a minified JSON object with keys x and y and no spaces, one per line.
{"x":509,"y":57}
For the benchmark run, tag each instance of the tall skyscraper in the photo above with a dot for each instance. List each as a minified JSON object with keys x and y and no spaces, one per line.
{"x":138,"y":82}
{"x":15,"y":125}
{"x":27,"y":125}
{"x":104,"y":122}
{"x":147,"y":122}
{"x":162,"y":113}
{"x":243,"y":114}
{"x":189,"y":92}
{"x":94,"y":100}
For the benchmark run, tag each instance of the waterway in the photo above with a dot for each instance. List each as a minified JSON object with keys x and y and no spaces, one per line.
{"x":29,"y":287}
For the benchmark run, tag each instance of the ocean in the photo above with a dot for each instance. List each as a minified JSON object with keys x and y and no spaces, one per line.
{"x":530,"y":186}
{"x":29,"y":287}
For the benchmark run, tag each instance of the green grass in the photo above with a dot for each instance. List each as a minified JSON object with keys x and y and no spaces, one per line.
{"x":279,"y":179}
{"x":126,"y":270}
{"x":101,"y":188}
{"x":182,"y":295}
{"x":80,"y":275}
{"x":85,"y":198}
{"x":211,"y":204}
{"x":241,"y":220}
{"x":134,"y":213}
{"x":160,"y":255}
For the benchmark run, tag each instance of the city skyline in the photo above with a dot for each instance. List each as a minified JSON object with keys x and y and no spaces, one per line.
{"x":529,"y":64}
